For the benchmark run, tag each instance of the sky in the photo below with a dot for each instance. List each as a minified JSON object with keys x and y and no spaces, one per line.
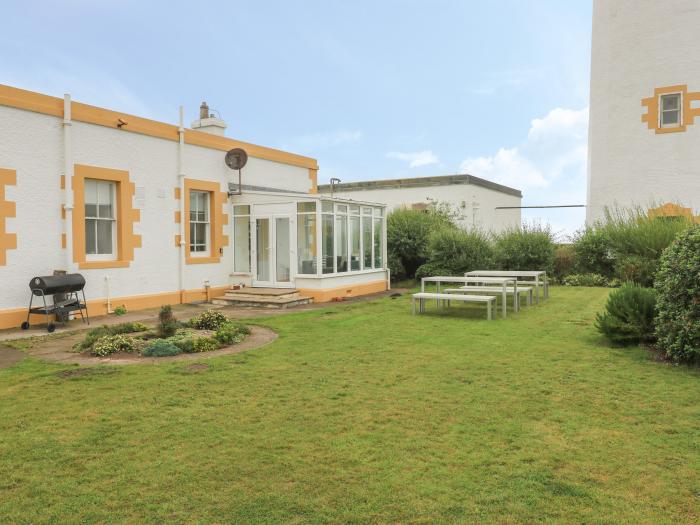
{"x":372,"y":89}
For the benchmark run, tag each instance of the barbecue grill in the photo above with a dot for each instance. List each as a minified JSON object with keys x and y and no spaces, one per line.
{"x":67,"y":287}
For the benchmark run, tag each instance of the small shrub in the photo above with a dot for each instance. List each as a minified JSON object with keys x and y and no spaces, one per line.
{"x":528,"y":248}
{"x":398,"y":272}
{"x":167,"y":325}
{"x":104,"y":330}
{"x":231,"y":333}
{"x":120,"y":310}
{"x":208,"y":320}
{"x":160,"y":348}
{"x":629,"y":316}
{"x":431,"y":270}
{"x":110,"y":344}
{"x":586,"y":279}
{"x":205,"y":344}
{"x":678,"y":310}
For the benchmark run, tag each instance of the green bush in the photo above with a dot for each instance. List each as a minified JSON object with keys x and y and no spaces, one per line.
{"x":457,"y":251}
{"x":678,"y":309}
{"x":231,"y":333}
{"x":530,"y":247}
{"x":160,"y":348}
{"x":120,"y":310}
{"x":629,"y":316}
{"x":205,"y":344}
{"x":408,"y":233}
{"x":563,"y":261}
{"x":592,"y":253}
{"x":208,"y":320}
{"x":431,"y":270}
{"x":104,"y":330}
{"x":586,"y":279}
{"x":636,"y":242}
{"x":167,"y":324}
{"x":110,"y":344}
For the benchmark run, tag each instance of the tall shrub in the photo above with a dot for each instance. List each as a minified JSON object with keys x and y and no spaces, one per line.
{"x":408,"y":232}
{"x":530,"y":247}
{"x":592,"y":252}
{"x":629,"y":316}
{"x":453,"y":251}
{"x":678,"y":309}
{"x":636,"y":242}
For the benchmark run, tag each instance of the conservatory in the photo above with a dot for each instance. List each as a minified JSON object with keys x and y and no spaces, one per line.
{"x":324,"y":247}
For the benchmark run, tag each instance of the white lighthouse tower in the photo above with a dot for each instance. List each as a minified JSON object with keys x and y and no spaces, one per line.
{"x":644,"y":138}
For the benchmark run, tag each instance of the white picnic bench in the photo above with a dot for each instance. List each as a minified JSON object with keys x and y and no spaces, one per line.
{"x":505,"y":283}
{"x":536,"y":278}
{"x":495,"y":291}
{"x":423,"y":296}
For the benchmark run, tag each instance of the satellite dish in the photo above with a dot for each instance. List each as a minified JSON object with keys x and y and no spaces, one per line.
{"x":236,"y":158}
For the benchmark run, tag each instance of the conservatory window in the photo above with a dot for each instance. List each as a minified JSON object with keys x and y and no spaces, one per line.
{"x":306,"y":238}
{"x":241,"y":239}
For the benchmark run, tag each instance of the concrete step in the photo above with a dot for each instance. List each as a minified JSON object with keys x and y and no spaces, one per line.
{"x":262,"y":298}
{"x":261,"y":301}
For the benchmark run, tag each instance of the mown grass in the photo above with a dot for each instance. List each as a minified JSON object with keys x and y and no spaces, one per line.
{"x":364,"y":414}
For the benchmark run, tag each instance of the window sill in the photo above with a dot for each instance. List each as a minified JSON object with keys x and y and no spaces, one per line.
{"x":88,"y":265}
{"x":678,"y":129}
{"x":344,"y":274}
{"x":202,"y":260}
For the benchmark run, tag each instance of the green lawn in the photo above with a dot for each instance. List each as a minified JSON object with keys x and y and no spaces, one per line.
{"x":361,"y":413}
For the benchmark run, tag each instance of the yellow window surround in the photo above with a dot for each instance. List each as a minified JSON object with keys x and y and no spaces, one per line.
{"x":651,"y":117}
{"x":217,"y":220}
{"x":8,"y":241}
{"x":127,"y":241}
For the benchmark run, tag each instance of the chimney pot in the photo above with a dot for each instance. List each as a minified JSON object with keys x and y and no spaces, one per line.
{"x":203,"y":111}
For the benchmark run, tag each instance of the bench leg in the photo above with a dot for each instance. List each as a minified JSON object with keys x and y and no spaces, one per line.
{"x":529,"y":298}
{"x":489,"y":314}
{"x":413,"y":305}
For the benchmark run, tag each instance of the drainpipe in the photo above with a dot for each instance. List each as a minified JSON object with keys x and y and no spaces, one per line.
{"x":109,"y":299}
{"x":68,"y":174}
{"x":181,"y":184}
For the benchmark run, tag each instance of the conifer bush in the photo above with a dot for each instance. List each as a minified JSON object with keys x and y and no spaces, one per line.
{"x":629,"y":316}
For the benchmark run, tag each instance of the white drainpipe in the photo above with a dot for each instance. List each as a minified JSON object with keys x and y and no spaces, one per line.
{"x":109,"y":300}
{"x":181,"y":184}
{"x":68,"y":174}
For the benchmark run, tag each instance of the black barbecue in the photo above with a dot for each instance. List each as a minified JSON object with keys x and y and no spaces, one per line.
{"x":63,"y":290}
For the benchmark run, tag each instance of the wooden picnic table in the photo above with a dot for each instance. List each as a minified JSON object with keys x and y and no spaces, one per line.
{"x":533,"y":276}
{"x":468,"y":279}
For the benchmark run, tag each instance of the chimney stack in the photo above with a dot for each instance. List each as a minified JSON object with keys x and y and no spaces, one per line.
{"x":208,"y":123}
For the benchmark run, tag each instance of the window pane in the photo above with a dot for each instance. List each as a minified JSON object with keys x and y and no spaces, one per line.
{"x":366,"y":211}
{"x":670,"y":102}
{"x":90,"y":191}
{"x":204,"y":206}
{"x":670,"y":117}
{"x":306,"y":244}
{"x":241,"y":244}
{"x":263,"y":245}
{"x":341,"y":242}
{"x":90,"y":210}
{"x":241,"y":210}
{"x":327,"y":237}
{"x":90,"y":237}
{"x":201,"y":236}
{"x":355,"y":210}
{"x":327,"y":206}
{"x":282,"y":249}
{"x":377,"y":243}
{"x":367,"y":242}
{"x":104,"y":237}
{"x":341,"y":208}
{"x":354,"y":243}
{"x":306,"y":207}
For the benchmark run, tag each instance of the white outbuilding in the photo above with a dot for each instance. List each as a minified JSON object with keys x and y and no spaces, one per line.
{"x":475,"y":202}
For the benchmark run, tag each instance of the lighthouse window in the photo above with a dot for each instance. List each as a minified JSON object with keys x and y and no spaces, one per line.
{"x":670,"y":110}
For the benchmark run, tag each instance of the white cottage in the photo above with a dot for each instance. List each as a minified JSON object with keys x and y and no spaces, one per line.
{"x":150,"y":214}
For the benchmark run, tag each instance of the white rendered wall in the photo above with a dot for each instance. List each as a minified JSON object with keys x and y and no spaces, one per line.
{"x":476,"y":204}
{"x":640,"y":45}
{"x":32,"y":145}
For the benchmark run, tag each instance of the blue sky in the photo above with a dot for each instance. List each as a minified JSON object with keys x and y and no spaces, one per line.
{"x":372,"y":89}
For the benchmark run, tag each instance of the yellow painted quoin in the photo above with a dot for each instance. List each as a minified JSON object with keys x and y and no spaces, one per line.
{"x":671,"y":209}
{"x":8,"y":241}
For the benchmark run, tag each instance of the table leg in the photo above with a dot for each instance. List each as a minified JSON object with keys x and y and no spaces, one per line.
{"x":537,"y":290}
{"x":437,"y":301}
{"x":422,"y":285}
{"x":516,"y":298}
{"x":489,"y":315}
{"x":413,"y":305}
{"x":546,"y":286}
{"x":504,"y":297}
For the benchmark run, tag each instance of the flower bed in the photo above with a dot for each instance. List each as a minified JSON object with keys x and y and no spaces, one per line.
{"x":206,"y":332}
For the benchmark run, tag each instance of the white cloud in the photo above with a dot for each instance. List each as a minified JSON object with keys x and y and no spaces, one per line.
{"x":415,"y":159}
{"x":555,"y":148}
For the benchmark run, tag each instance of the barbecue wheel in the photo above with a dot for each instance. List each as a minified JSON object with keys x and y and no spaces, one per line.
{"x":25,"y":325}
{"x":51,"y":327}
